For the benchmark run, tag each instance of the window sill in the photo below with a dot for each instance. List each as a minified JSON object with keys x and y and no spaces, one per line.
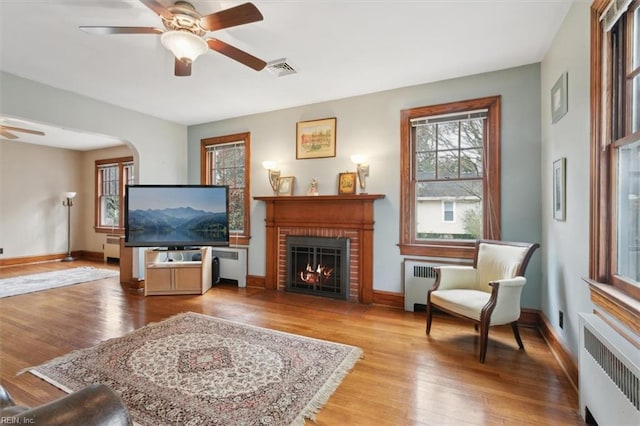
{"x":457,"y":251}
{"x":115,"y":231}
{"x":616,"y":303}
{"x":240,"y":240}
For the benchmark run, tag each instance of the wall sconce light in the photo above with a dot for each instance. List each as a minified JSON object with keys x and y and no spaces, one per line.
{"x":274,"y":174}
{"x":362,"y":168}
{"x":68,"y":202}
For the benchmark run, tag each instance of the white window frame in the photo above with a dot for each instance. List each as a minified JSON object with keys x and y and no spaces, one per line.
{"x":444,"y":211}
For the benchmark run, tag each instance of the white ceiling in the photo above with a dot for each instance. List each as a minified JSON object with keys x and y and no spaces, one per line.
{"x":340,"y":48}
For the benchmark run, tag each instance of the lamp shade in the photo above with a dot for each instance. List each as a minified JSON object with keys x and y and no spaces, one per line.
{"x":68,"y":194}
{"x":269,"y":165}
{"x":358,"y":159}
{"x":183,"y":44}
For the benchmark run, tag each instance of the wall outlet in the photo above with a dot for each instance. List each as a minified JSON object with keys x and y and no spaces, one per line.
{"x":561,"y":319}
{"x":1,"y":250}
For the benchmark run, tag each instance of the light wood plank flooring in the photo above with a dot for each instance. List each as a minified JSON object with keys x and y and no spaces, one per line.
{"x":405,"y":377}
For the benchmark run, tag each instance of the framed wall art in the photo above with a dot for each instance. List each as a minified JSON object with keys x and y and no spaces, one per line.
{"x":316,"y":138}
{"x":559,"y":186}
{"x":285,"y":185}
{"x":559,"y":105}
{"x":346,"y":183}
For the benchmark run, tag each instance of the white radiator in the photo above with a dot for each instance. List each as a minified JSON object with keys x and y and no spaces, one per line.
{"x":112,"y":247}
{"x":417,"y":277}
{"x":233,"y":264}
{"x":609,"y":374}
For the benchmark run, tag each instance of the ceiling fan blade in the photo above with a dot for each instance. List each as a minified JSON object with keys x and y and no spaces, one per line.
{"x":236,"y":54}
{"x":20,"y":129}
{"x":183,"y":68}
{"x":159,"y":9}
{"x":242,"y":14}
{"x":7,"y":135}
{"x":121,"y":30}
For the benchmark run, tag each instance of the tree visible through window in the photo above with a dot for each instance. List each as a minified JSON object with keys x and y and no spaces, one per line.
{"x":450,"y":170}
{"x":111,"y":177}
{"x":225,"y":160}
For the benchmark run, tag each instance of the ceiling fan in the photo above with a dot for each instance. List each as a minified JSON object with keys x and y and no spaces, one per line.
{"x":185,"y":28}
{"x":5,"y":133}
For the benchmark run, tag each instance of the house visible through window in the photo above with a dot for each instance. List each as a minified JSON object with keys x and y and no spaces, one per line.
{"x":225,"y":161}
{"x":111,"y":177}
{"x":450,"y":176}
{"x":615,"y":247}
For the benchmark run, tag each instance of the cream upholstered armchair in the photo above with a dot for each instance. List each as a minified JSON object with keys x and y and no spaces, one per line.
{"x":487,"y":293}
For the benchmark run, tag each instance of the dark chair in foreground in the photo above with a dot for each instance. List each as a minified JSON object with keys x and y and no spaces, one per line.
{"x":487,"y":293}
{"x":95,"y":405}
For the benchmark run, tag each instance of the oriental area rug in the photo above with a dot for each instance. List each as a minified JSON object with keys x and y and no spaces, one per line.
{"x":14,"y":286}
{"x":193,"y":369}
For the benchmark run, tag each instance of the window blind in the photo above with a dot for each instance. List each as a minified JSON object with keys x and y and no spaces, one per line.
{"x":223,"y":146}
{"x":613,"y":12}
{"x":449,"y":118}
{"x":108,"y":179}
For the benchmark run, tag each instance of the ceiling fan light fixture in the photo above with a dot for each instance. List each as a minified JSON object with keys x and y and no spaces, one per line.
{"x":183,"y":44}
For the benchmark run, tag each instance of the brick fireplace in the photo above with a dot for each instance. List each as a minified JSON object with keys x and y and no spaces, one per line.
{"x":332,"y":216}
{"x":318,"y":266}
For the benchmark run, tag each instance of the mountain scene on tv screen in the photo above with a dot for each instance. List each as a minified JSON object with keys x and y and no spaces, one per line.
{"x":177,"y":224}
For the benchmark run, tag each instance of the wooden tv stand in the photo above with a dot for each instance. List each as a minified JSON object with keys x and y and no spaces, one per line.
{"x":175,"y":271}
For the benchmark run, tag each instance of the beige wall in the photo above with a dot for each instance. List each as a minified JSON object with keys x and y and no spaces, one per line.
{"x":32,"y":179}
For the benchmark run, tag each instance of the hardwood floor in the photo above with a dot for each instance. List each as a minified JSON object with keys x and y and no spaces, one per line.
{"x":405,"y":377}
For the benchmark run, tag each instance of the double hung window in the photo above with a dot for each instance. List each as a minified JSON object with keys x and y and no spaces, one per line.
{"x":615,"y":182}
{"x":111,"y":177}
{"x":450,"y":177}
{"x":225,"y":160}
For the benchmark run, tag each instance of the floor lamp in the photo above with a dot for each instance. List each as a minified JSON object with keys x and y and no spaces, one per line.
{"x":68,"y":202}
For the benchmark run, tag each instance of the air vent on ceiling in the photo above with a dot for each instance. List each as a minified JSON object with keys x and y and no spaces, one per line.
{"x":280,"y":67}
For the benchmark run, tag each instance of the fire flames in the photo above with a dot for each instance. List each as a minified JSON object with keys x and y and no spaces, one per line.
{"x":320,"y":274}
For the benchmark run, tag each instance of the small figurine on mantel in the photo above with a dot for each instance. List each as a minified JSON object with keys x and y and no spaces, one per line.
{"x":313,"y":187}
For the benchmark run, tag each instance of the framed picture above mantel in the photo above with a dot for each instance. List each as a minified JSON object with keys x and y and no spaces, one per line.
{"x":316,"y":138}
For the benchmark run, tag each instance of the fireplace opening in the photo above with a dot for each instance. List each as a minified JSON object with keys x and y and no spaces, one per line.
{"x":318,"y":265}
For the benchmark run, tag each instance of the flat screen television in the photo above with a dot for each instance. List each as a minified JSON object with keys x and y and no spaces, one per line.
{"x":176,"y":216}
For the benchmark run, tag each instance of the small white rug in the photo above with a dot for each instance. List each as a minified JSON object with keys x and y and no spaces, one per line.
{"x":37,"y":282}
